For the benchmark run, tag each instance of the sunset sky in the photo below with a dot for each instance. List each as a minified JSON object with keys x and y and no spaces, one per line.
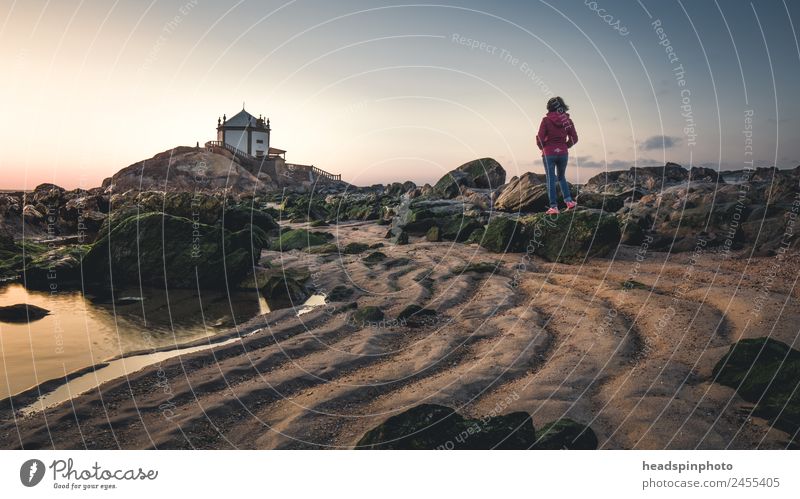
{"x":380,"y":92}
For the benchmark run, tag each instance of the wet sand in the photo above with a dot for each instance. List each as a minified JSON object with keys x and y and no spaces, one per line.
{"x":552,"y":340}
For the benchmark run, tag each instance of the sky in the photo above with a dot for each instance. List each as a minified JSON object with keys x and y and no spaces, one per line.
{"x":384,"y":91}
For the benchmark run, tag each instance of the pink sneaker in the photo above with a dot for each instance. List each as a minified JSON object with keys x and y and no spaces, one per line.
{"x":571,"y":205}
{"x":552,"y":211}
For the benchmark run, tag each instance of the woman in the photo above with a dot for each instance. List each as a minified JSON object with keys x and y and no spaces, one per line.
{"x":556,"y":135}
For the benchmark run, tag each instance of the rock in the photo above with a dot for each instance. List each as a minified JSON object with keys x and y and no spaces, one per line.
{"x":649,"y":178}
{"x":22,"y":312}
{"x":340,"y":293}
{"x":364,"y":316}
{"x":299,"y":239}
{"x":416,"y":316}
{"x":189,"y":169}
{"x":456,"y":220}
{"x":504,"y":234}
{"x":766,"y":373}
{"x":485,"y":173}
{"x":355,"y":248}
{"x":433,"y":234}
{"x":606,"y":202}
{"x":569,"y":237}
{"x":156,"y":248}
{"x":572,"y":236}
{"x":476,"y":237}
{"x":374,"y":257}
{"x":566,"y":434}
{"x":286,"y":288}
{"x":431,"y":426}
{"x":527,"y":193}
{"x":238,"y":217}
{"x":323,"y":249}
{"x":59,"y":267}
{"x":401,"y":238}
{"x":6,"y":239}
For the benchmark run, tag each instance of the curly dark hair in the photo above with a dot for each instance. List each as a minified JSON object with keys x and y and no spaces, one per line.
{"x":557,"y":104}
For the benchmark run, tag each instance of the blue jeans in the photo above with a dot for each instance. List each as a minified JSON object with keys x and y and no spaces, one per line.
{"x":556,"y":165}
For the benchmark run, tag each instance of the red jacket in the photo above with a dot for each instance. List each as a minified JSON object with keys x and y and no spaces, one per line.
{"x":556,"y":134}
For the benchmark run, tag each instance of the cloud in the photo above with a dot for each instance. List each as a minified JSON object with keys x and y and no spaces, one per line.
{"x":659,"y":142}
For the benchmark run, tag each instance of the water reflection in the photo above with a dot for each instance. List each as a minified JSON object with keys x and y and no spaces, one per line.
{"x":81,"y":331}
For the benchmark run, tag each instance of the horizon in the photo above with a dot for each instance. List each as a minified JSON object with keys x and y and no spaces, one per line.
{"x":382,"y":93}
{"x":721,"y":172}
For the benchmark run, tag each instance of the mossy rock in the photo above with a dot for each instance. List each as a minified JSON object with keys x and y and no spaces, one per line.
{"x":503,"y":235}
{"x":60,"y":266}
{"x":367,"y":315}
{"x":458,"y":228}
{"x":299,"y":239}
{"x":240,"y":217}
{"x":566,"y":434}
{"x":22,"y":313}
{"x":13,"y":258}
{"x":765,"y":372}
{"x":433,"y":235}
{"x":570,"y":237}
{"x":431,"y":426}
{"x":156,"y":248}
{"x":340,"y":293}
{"x":319,"y":223}
{"x":286,"y":288}
{"x":374,"y":257}
{"x":355,"y":248}
{"x":401,"y":238}
{"x":376,"y":245}
{"x":476,"y":236}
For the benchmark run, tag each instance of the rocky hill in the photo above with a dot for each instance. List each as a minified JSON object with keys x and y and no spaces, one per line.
{"x":190,"y":169}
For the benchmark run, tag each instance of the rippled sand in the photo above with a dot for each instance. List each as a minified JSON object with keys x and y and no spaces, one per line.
{"x":554,"y":340}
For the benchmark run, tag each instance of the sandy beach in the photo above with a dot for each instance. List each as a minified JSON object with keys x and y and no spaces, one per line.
{"x":633,"y":361}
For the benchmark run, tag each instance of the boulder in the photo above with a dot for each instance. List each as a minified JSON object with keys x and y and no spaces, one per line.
{"x":485,"y":173}
{"x":566,"y":434}
{"x":431,"y":426}
{"x":158,"y":249}
{"x":504,"y":235}
{"x":527,"y":193}
{"x":569,"y":237}
{"x":766,"y":373}
{"x":286,"y":288}
{"x":455,"y":220}
{"x":572,"y":236}
{"x":60,"y":266}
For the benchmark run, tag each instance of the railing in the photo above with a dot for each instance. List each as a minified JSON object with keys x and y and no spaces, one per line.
{"x":324,"y":174}
{"x":236,"y":152}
